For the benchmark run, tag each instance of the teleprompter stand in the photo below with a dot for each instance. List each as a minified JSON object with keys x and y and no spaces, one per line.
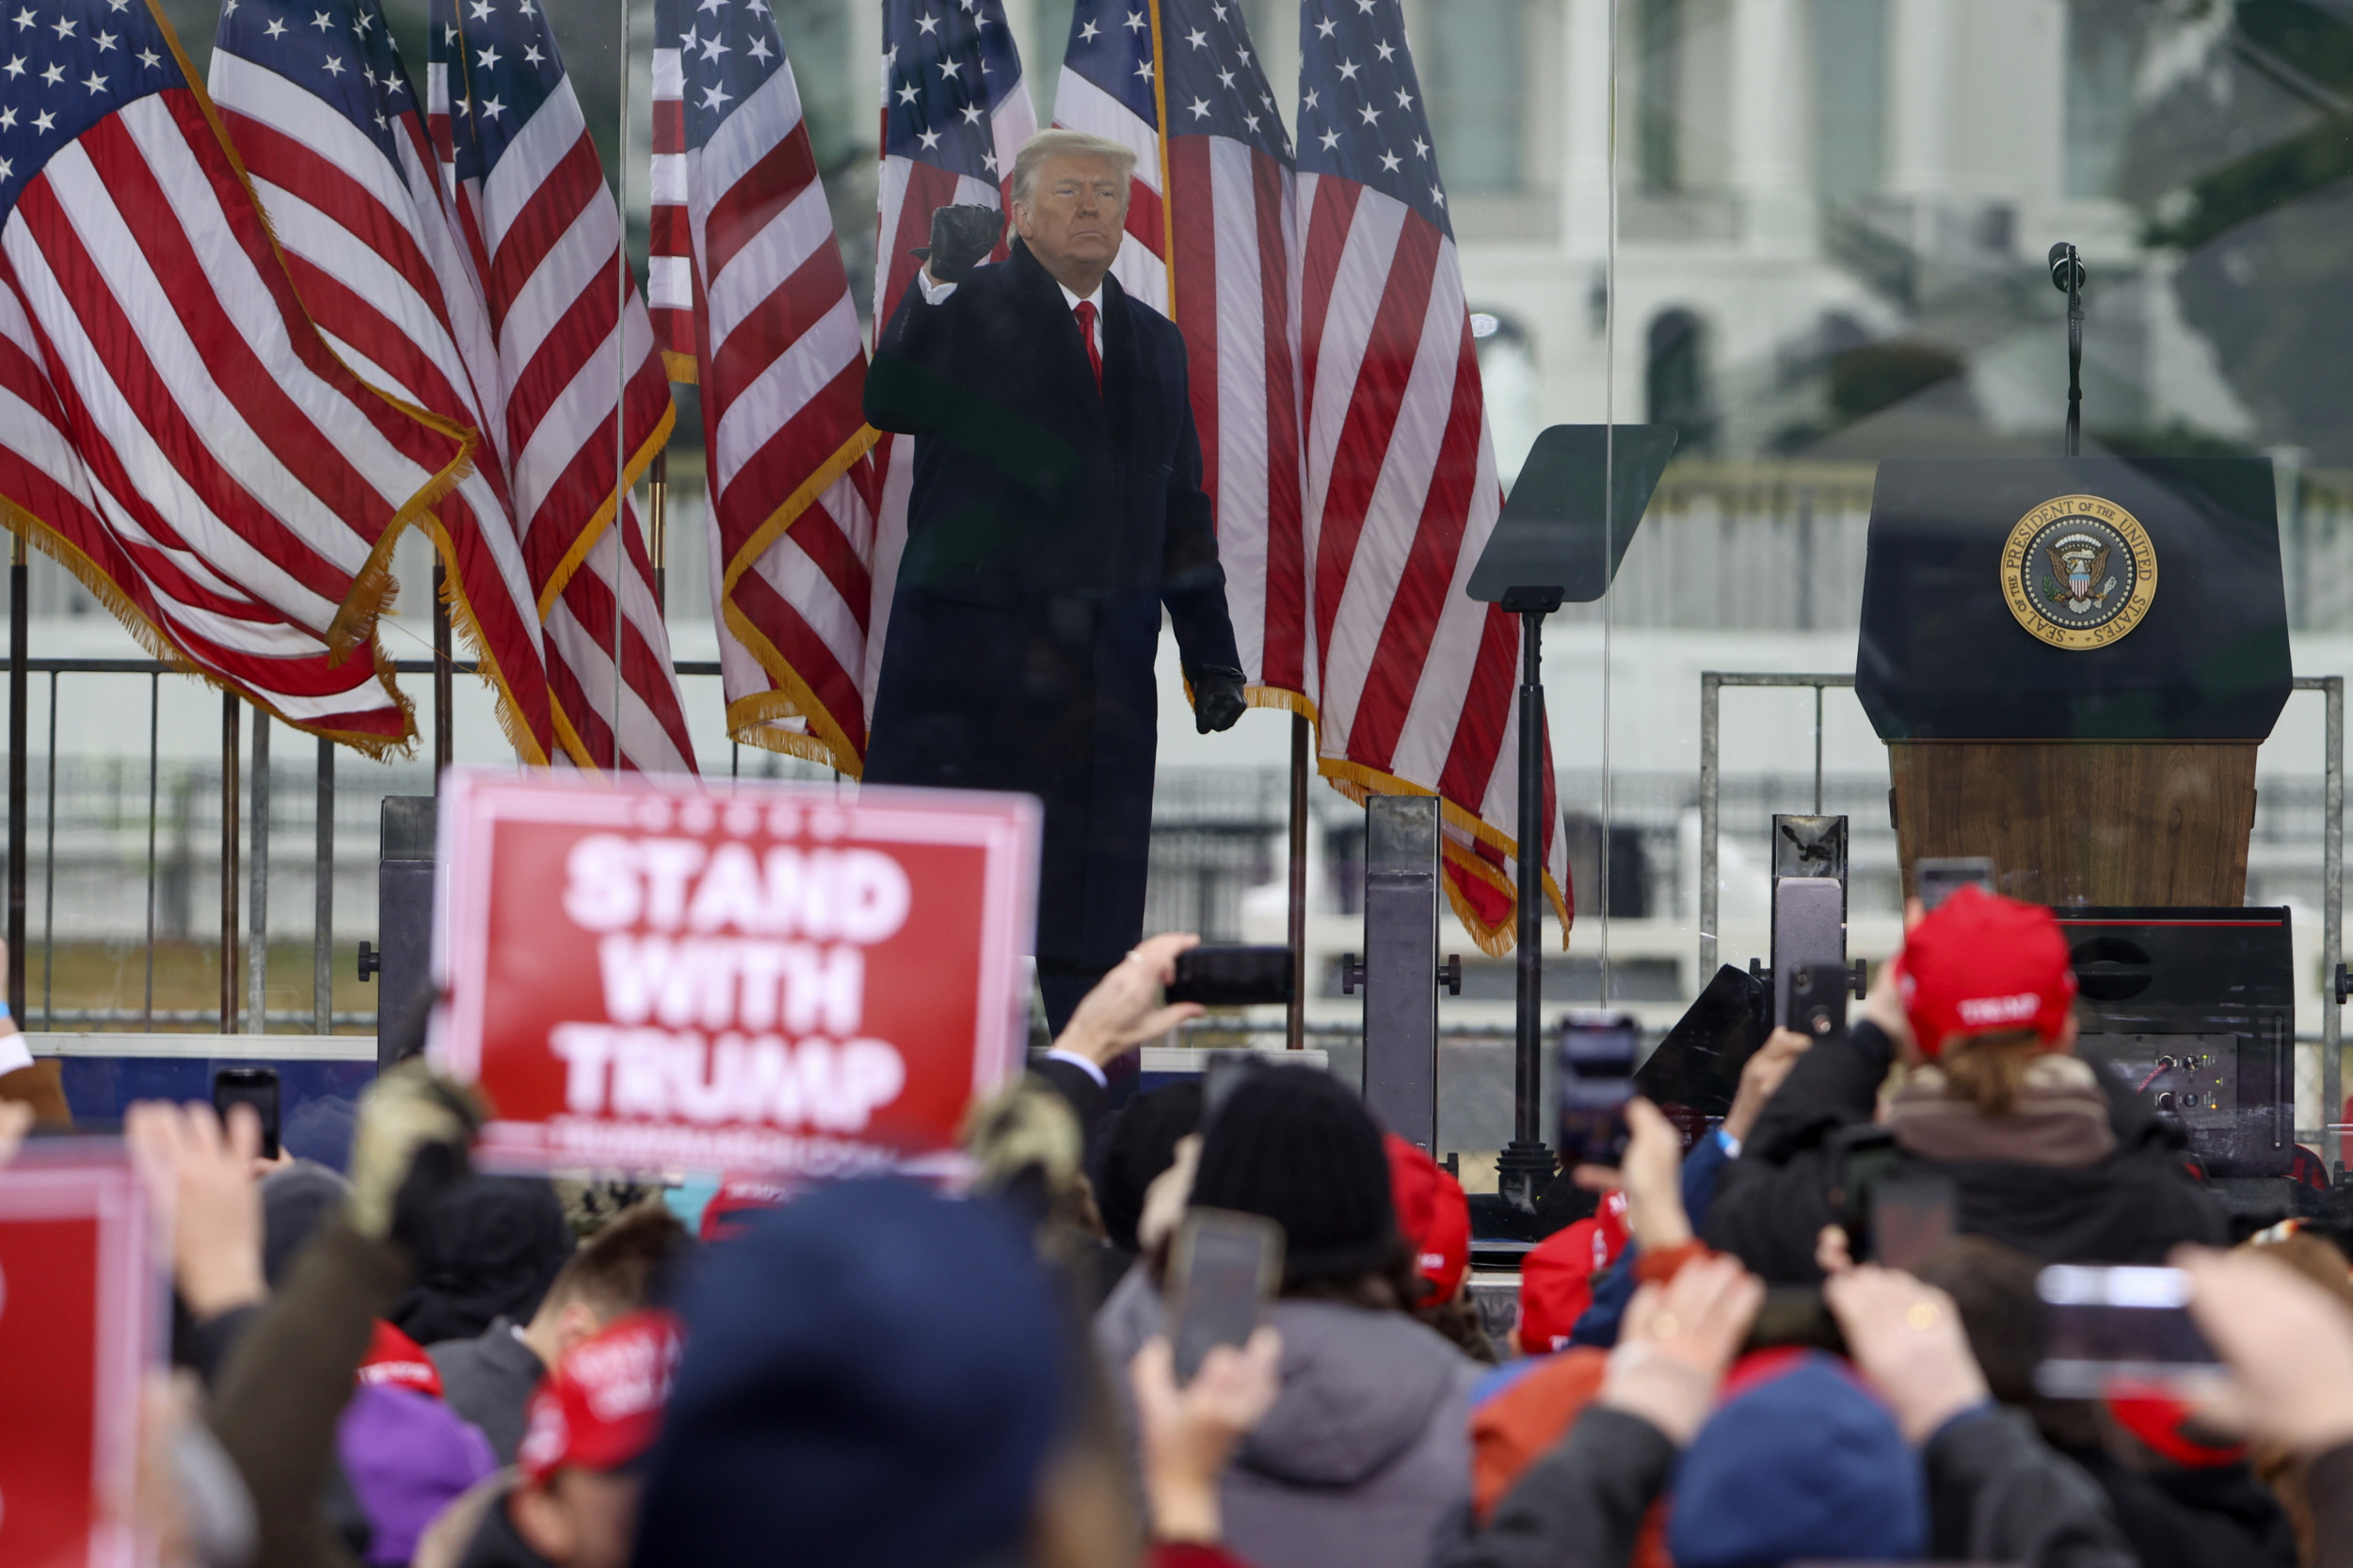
{"x":1562,"y":533}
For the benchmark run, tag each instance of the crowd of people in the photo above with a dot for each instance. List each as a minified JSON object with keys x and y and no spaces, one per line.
{"x":418,"y":1363}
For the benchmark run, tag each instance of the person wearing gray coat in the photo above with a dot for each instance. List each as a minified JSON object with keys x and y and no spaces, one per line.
{"x":1365,"y":1452}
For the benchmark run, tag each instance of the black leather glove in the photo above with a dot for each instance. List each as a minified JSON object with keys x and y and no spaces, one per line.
{"x":962,"y":238}
{"x":1217,"y":700}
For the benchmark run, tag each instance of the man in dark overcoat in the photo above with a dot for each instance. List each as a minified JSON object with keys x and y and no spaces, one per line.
{"x":1057,"y":506}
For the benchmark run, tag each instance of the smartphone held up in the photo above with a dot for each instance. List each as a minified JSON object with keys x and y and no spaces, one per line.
{"x":2105,"y":1327}
{"x":1234,"y":976}
{"x":1597,"y":1078}
{"x":1222,"y":1269}
{"x":253,"y":1086}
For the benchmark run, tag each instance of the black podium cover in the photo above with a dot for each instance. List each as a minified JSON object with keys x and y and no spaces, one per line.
{"x":1943,"y":656}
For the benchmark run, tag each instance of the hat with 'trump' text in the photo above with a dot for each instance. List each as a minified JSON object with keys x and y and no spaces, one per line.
{"x":1982,"y":963}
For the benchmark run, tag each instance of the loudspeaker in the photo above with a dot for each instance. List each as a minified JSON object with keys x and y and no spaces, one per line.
{"x":404,"y":913}
{"x":1404,"y":842}
{"x":2197,"y":1008}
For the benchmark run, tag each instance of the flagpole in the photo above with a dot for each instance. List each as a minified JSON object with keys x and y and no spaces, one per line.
{"x":20,"y":681}
{"x":230,"y":716}
{"x":620,"y":379}
{"x":257,"y":898}
{"x":657,"y":528}
{"x":444,"y":685}
{"x":1295,"y":1025}
{"x":1159,"y":109}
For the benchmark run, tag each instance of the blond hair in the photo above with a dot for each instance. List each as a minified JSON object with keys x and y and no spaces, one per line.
{"x":1989,"y":1071}
{"x":1059,"y":143}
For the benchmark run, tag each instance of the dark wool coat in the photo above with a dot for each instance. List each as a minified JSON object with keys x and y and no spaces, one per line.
{"x":1046,"y":527}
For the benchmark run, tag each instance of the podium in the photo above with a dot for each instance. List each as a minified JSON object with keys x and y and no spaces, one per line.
{"x":2073,"y":662}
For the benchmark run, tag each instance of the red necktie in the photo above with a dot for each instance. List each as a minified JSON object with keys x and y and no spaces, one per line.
{"x":1084,"y":311}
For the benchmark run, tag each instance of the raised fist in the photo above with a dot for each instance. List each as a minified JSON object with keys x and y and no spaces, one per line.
{"x":961,"y":238}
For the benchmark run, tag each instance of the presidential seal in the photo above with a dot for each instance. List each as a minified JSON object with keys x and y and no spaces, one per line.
{"x":2079,"y":572}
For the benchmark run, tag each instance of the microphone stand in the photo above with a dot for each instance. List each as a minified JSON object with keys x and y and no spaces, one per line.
{"x":2075,"y":354}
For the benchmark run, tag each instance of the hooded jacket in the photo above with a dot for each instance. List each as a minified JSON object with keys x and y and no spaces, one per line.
{"x":2133,"y":1203}
{"x":1367,"y":1450}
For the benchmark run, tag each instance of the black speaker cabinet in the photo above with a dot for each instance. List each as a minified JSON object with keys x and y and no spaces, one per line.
{"x":2197,"y":1008}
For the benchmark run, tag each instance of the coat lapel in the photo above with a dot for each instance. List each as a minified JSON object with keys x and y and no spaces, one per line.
{"x":1064,"y":352}
{"x":1119,"y":360}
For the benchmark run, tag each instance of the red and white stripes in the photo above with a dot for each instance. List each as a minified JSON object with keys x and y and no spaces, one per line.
{"x":174,"y":429}
{"x":566,"y":319}
{"x":372,"y":245}
{"x":1415,"y":680}
{"x":1235,"y":302}
{"x":782,"y":369}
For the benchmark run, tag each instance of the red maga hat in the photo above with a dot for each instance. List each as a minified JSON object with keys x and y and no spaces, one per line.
{"x":396,"y":1361}
{"x":1557,"y":1280}
{"x":1983,"y":964}
{"x":601,"y":1408}
{"x":1434,"y":1215}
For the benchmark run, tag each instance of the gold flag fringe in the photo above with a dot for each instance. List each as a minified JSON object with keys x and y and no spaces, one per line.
{"x":160,"y":646}
{"x":375,"y":589}
{"x":462,"y":618}
{"x":792,"y":699}
{"x":1359,"y":782}
{"x":747,"y":716}
{"x":606,"y":511}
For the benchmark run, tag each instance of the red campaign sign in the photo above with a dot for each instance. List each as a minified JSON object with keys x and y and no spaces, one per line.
{"x":80,"y":1316}
{"x":760,"y":978}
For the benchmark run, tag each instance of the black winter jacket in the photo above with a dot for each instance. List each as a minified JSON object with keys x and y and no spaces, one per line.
{"x":1997,"y":1493}
{"x":2133,"y":1206}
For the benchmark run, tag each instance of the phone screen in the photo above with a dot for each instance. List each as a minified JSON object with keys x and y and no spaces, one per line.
{"x":1933,"y":881}
{"x":253,"y":1086}
{"x":1224,"y":1269}
{"x":1912,"y":1217}
{"x":1597,"y":1054}
{"x":2125,"y":1324}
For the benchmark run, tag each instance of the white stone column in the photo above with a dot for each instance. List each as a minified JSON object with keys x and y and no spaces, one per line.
{"x":1770,"y":85}
{"x":866,"y":59}
{"x":1583,"y":81}
{"x":1919,"y":69}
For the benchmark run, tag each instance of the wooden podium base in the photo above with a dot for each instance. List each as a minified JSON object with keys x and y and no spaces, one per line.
{"x":2082,"y":821}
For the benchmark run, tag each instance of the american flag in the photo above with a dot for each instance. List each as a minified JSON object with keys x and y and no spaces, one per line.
{"x":333,"y":132}
{"x":1234,"y":203}
{"x":1416,"y":681}
{"x":744,"y":239}
{"x":172,"y":427}
{"x":1110,"y":86}
{"x":546,"y":236}
{"x":956,"y":111}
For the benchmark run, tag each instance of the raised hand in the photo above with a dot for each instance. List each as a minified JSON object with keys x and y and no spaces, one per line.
{"x":962,"y":238}
{"x":1188,"y":1433}
{"x":1127,"y":1006}
{"x":202,"y":1177}
{"x":1676,"y":1342}
{"x":1906,"y":1338}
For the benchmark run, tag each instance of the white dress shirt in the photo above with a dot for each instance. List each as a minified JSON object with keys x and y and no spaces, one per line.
{"x":1103,"y":1079}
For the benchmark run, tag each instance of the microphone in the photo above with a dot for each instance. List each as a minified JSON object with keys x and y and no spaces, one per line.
{"x":2066,"y":267}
